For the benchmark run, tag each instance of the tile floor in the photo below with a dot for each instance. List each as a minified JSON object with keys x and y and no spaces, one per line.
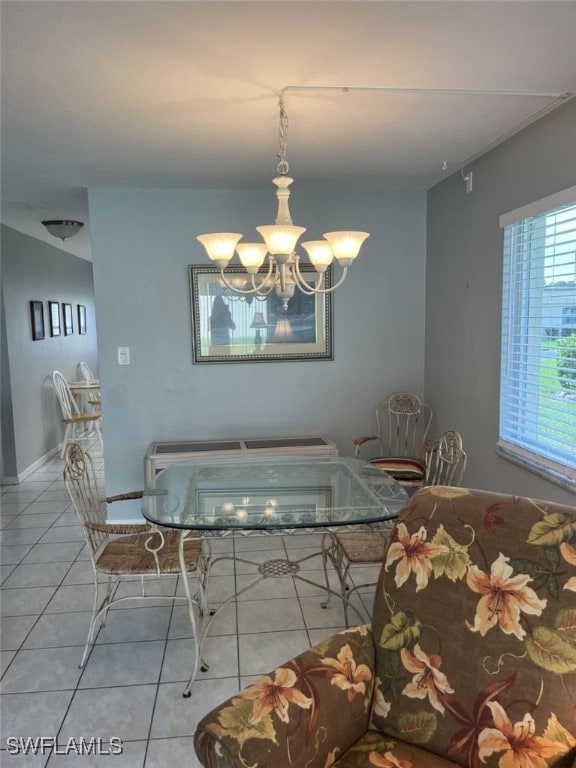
{"x":131,"y":687}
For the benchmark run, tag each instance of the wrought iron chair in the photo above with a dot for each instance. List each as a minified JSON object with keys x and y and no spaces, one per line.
{"x":403,"y":422}
{"x":445,"y":465}
{"x":94,"y":400}
{"x":118,"y":551}
{"x":446,"y":460}
{"x":80,"y":427}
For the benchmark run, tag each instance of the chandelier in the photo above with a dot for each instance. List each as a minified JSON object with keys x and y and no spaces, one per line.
{"x":282,"y":273}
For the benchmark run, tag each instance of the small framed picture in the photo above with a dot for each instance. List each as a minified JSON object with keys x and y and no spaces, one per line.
{"x":54,"y":313}
{"x":68,"y":322}
{"x":37,"y":318}
{"x":81,"y":319}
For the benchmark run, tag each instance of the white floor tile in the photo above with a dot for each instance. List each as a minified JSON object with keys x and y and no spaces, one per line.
{"x":124,"y":712}
{"x":53,"y":553}
{"x":5,"y":571}
{"x":136,"y":624}
{"x":220,"y":654}
{"x":60,"y":629}
{"x":62,"y":533}
{"x":48,"y":507}
{"x":14,"y":630}
{"x":71,"y":598}
{"x":269,"y":615}
{"x":43,"y":669}
{"x":176,"y":716}
{"x":175,"y":751}
{"x":21,"y":602}
{"x":41,"y":713}
{"x":261,"y":653}
{"x":18,"y":537}
{"x":132,"y":755}
{"x":37,"y":575}
{"x":5,"y":660}
{"x":28,"y":520}
{"x":117,"y":664}
{"x":13,"y":554}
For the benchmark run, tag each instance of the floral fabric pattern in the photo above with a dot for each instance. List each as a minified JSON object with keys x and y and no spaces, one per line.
{"x":503,"y":598}
{"x":476,"y":656}
{"x":470,"y":659}
{"x":313,"y":707}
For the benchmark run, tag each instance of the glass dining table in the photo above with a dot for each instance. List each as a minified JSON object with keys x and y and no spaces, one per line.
{"x":290,"y":495}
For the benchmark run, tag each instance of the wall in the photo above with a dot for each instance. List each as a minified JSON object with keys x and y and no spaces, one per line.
{"x":31,"y":419}
{"x":464,"y":285}
{"x":143,"y":242}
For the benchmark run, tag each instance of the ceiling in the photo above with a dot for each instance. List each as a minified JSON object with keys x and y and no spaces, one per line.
{"x":185,"y":94}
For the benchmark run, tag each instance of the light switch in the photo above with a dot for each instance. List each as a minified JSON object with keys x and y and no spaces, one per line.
{"x":123,"y":355}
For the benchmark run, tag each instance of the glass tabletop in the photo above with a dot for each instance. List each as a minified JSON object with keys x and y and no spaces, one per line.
{"x":274,"y":493}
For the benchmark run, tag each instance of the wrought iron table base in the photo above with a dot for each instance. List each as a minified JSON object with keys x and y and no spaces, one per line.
{"x":278,"y":568}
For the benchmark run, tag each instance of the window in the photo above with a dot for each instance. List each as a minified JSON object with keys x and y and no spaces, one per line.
{"x":538,"y":363}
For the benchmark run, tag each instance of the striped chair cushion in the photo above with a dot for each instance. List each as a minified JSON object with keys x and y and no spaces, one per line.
{"x":401,"y":468}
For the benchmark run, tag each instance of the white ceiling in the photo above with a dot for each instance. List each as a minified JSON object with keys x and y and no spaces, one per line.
{"x":184,"y":94}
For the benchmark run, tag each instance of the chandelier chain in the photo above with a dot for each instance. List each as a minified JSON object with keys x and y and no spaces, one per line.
{"x":283,"y":166}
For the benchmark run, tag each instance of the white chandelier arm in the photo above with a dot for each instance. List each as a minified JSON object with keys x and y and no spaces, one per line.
{"x":310,"y":289}
{"x":235,"y":288}
{"x":258,"y":288}
{"x":302,"y":284}
{"x":255,"y":288}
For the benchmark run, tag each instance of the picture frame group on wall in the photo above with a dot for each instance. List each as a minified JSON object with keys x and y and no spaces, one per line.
{"x":232,"y":328}
{"x":58,"y":323}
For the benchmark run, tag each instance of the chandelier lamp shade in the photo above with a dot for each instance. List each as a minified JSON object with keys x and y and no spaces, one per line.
{"x":63,"y":228}
{"x":282,"y":272}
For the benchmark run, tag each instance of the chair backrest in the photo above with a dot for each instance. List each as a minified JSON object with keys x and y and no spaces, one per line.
{"x":446,"y":460}
{"x":84,"y":492}
{"x":67,"y":402}
{"x":473,"y":623}
{"x":403,"y":425}
{"x":86,"y":372}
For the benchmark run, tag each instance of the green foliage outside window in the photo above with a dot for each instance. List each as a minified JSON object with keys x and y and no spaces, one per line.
{"x":566,"y":361}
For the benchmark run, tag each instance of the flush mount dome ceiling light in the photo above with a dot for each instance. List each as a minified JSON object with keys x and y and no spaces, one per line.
{"x":63,"y":228}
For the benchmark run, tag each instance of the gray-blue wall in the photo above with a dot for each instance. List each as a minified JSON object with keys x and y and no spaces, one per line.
{"x":143,"y":242}
{"x":464,"y":291}
{"x":31,"y":420}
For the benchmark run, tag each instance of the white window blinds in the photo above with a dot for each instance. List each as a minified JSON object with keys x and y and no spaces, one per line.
{"x":538,"y":365}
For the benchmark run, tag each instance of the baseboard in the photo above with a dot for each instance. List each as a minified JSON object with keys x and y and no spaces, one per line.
{"x":7,"y":480}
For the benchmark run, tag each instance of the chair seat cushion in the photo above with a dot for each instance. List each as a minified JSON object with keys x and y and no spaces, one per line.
{"x":369,"y":547}
{"x":377,"y":749}
{"x":128,"y":554}
{"x":401,"y":468}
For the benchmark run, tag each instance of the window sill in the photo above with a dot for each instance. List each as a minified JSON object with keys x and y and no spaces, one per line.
{"x":555,"y":473}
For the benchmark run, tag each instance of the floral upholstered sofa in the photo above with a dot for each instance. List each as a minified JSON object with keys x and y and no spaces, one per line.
{"x":470,"y":659}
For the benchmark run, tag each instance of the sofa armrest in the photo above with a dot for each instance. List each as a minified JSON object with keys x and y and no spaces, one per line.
{"x":305,"y":713}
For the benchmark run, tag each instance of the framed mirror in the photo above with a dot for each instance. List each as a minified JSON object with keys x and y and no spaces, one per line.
{"x":231,"y":328}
